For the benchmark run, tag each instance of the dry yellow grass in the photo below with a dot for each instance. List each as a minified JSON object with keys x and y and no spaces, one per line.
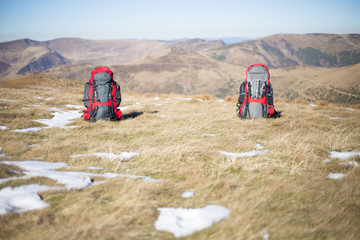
{"x":284,"y":191}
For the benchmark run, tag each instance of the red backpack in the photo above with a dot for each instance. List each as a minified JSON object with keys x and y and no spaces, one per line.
{"x":256,"y":94}
{"x":102,"y":96}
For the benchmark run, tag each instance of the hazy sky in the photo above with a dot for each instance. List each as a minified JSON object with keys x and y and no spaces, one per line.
{"x":173,"y":19}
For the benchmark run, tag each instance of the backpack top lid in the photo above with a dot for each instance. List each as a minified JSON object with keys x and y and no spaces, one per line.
{"x":101,"y":75}
{"x":258,"y":72}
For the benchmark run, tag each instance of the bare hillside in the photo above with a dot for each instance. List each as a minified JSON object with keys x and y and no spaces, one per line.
{"x":192,"y":73}
{"x":283,"y":50}
{"x":15,"y":54}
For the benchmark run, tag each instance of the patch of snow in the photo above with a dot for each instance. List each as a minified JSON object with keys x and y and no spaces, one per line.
{"x":4,"y":127}
{"x":34,"y":166}
{"x":54,"y":109}
{"x":61,"y":119}
{"x":259,"y":146}
{"x":351,"y":109}
{"x":336,"y":175}
{"x":7,"y":100}
{"x":156,"y":98}
{"x":21,"y":199}
{"x":111,"y":156}
{"x":157,"y":104}
{"x":49,"y":98}
{"x":187,"y":194}
{"x":37,"y":97}
{"x":163,"y":116}
{"x":220,"y":100}
{"x":186,"y":99}
{"x":343,"y":155}
{"x":208,"y":134}
{"x":24,"y":130}
{"x":313,"y":105}
{"x":25,"y":108}
{"x":3,"y":154}
{"x":335,"y":118}
{"x":33,"y":145}
{"x":350,"y":163}
{"x":326,"y":160}
{"x":79,"y":107}
{"x":242,"y":154}
{"x":265,"y":234}
{"x":71,"y":180}
{"x":182,"y":222}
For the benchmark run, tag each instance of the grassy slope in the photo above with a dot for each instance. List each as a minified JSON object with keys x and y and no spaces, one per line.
{"x":284,"y":191}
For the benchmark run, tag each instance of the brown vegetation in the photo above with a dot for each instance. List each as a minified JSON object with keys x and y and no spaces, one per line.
{"x":284,"y":191}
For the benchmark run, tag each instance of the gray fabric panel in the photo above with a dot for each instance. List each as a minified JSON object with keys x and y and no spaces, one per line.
{"x":101,"y":78}
{"x":86,"y":98}
{"x":256,"y":110}
{"x":103,"y":112}
{"x":103,"y":92}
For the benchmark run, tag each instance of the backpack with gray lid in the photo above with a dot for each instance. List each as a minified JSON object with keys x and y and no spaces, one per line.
{"x":256,"y":94}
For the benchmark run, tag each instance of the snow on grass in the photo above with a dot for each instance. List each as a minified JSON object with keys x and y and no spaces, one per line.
{"x":259,"y":146}
{"x":343,"y":155}
{"x":182,"y":222}
{"x":3,"y":154}
{"x":265,"y":234}
{"x":4,"y":127}
{"x":78,"y":107}
{"x":187,"y":194}
{"x":21,"y":199}
{"x":24,"y":130}
{"x":111,"y":156}
{"x":350,"y":163}
{"x":7,"y":100}
{"x":335,"y":118}
{"x":242,"y":154}
{"x":71,"y":180}
{"x":208,"y":134}
{"x":326,"y":160}
{"x":61,"y":119}
{"x":336,"y":175}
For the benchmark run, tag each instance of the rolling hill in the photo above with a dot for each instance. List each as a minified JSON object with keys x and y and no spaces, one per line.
{"x":307,"y":66}
{"x":284,"y":50}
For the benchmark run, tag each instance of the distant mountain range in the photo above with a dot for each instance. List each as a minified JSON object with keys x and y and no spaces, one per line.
{"x":188,"y":66}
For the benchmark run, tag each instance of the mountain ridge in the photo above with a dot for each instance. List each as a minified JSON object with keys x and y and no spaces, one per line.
{"x":195,"y":66}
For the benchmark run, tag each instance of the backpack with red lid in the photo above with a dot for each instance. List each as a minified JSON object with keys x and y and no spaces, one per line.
{"x":102,"y":96}
{"x":256,"y":94}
